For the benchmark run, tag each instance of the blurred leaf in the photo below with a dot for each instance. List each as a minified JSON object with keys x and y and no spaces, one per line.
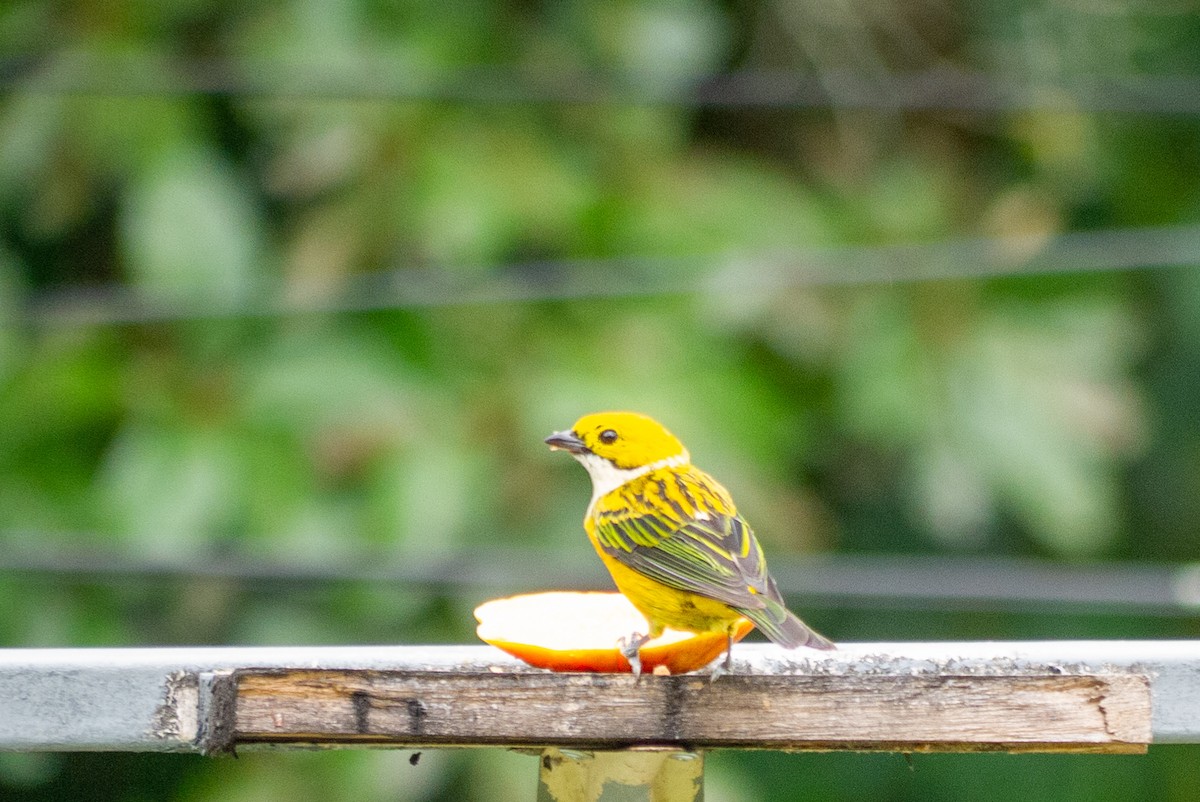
{"x":172,"y":491}
{"x":1048,"y":414}
{"x":30,"y":126}
{"x":1021,"y":405}
{"x":368,"y":775}
{"x":434,"y":496}
{"x":911,"y":200}
{"x":21,"y":23}
{"x":130,"y":138}
{"x":192,"y":234}
{"x":28,"y":769}
{"x":475,"y":202}
{"x":308,"y":380}
{"x":57,"y":409}
{"x":668,"y":44}
{"x":12,"y":345}
{"x":709,"y":204}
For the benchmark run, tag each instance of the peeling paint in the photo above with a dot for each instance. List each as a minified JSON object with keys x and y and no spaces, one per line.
{"x":175,"y":719}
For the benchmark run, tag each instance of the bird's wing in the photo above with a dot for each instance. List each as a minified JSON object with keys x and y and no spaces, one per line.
{"x":711,"y":554}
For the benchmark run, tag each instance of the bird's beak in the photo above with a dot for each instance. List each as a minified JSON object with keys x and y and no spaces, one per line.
{"x":566,"y":441}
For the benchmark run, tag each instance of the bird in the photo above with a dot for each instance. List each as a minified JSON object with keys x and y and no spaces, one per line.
{"x":672,"y":539}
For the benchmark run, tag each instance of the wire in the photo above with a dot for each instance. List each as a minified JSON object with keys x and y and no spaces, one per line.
{"x":378,"y":79}
{"x":720,"y":274}
{"x":847,"y":580}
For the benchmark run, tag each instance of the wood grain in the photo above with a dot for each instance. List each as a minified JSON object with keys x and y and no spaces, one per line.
{"x":1020,"y":712}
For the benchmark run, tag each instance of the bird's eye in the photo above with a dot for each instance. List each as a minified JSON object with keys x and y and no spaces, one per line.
{"x":608,"y":437}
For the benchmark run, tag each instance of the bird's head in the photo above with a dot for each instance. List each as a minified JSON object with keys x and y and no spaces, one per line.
{"x":617,"y":446}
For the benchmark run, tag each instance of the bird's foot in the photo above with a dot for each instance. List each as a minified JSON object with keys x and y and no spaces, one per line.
{"x":631,"y":648}
{"x":726,"y":665}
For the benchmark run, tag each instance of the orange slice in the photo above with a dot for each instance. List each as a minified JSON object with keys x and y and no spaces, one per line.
{"x":567,"y":631}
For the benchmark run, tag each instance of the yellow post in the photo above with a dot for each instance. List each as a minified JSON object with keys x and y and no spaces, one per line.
{"x":630,"y":775}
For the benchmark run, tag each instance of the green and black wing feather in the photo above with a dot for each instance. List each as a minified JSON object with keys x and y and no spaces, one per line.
{"x":709,"y":553}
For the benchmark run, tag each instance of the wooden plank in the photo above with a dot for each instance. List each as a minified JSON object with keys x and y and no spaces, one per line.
{"x":1013,"y":712}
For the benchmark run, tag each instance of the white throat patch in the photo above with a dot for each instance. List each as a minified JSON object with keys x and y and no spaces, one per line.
{"x":607,"y":477}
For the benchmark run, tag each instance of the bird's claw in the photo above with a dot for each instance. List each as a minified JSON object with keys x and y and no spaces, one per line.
{"x":726,"y":665}
{"x":631,"y":648}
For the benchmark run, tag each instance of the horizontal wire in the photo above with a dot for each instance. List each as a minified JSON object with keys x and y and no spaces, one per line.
{"x":835,"y":580}
{"x":617,"y":277}
{"x":379,"y":79}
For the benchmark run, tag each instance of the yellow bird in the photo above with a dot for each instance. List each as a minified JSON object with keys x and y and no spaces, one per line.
{"x":671,"y":537}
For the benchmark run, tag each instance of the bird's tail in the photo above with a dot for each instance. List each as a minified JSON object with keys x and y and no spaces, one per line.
{"x":782,"y":626}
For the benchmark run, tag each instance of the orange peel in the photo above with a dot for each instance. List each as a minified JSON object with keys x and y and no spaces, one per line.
{"x":578,"y":631}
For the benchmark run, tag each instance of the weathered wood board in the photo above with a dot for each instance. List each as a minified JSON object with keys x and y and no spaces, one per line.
{"x":910,"y":713}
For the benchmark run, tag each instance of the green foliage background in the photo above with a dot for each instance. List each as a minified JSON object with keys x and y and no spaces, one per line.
{"x":1049,"y":416}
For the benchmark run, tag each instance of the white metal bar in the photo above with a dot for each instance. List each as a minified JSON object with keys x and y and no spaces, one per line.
{"x":155,"y":699}
{"x":149,"y":699}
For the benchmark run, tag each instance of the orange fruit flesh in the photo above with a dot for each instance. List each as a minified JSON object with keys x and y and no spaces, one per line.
{"x":568,"y":631}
